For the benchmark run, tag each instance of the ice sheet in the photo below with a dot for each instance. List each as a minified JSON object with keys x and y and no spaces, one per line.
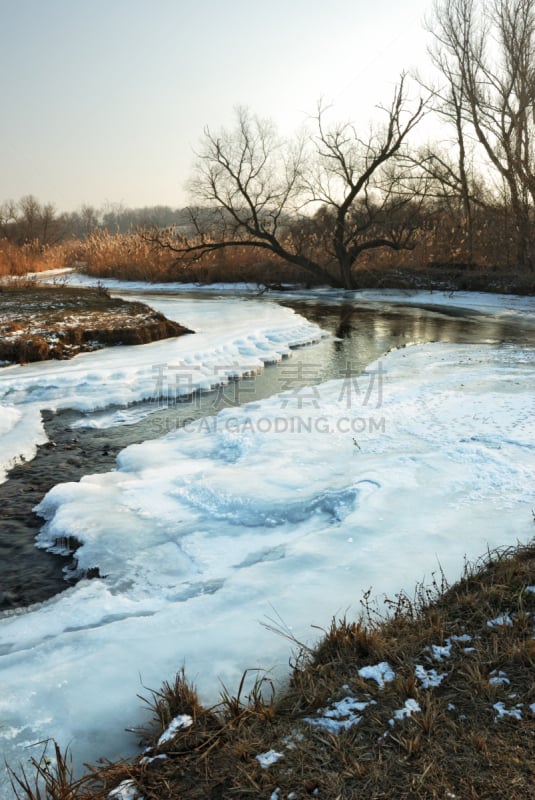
{"x":285,"y":510}
{"x":232,"y":337}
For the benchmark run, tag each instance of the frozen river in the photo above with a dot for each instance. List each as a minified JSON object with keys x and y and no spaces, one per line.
{"x":339,"y":469}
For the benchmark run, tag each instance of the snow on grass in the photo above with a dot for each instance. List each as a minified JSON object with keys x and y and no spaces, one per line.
{"x":498,"y":677}
{"x":502,"y":711}
{"x":411,"y":707}
{"x":125,"y":791}
{"x":499,"y":622}
{"x":268,"y":758}
{"x":462,"y":639}
{"x":340,"y":715}
{"x":151,"y":759}
{"x":428,"y":678}
{"x":179,"y":723}
{"x":440,"y":652}
{"x":380,"y":673}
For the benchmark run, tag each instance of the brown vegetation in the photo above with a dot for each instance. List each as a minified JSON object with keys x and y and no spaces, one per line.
{"x":472,"y":735}
{"x":19,"y":260}
{"x":446,"y":255}
{"x":439,"y":261}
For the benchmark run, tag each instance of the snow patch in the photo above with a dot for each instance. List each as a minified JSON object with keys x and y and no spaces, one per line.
{"x":429,"y":678}
{"x":268,"y":758}
{"x":502,"y":711}
{"x":126,"y":790}
{"x":411,"y":707}
{"x":498,"y":677}
{"x":380,"y":673}
{"x":341,"y":715}
{"x":504,"y":620}
{"x":179,"y":723}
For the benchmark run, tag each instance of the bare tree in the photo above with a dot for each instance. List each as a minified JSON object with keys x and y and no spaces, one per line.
{"x":317,"y":203}
{"x":8,"y":217}
{"x":28,"y":221}
{"x":486,"y":53}
{"x":366,"y":185}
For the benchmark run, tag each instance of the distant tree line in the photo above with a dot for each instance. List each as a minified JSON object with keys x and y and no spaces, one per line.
{"x":29,"y":221}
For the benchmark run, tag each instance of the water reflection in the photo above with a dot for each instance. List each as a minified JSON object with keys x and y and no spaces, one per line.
{"x":359,"y":335}
{"x":393,"y":326}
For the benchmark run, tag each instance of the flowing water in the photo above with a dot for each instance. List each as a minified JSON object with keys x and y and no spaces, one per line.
{"x":359,"y":334}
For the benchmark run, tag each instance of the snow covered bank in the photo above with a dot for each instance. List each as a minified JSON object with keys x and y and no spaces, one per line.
{"x":483,"y":302}
{"x":288,"y":508}
{"x":233,"y":337}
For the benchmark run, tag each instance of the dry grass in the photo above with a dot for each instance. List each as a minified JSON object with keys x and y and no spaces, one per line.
{"x":122,"y":256}
{"x":16,"y":261}
{"x":131,"y":257}
{"x":455,"y":745}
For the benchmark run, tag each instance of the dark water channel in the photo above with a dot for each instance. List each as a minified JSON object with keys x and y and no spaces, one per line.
{"x":360,"y":334}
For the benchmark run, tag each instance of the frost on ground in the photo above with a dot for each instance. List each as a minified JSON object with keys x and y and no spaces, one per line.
{"x":202,"y":533}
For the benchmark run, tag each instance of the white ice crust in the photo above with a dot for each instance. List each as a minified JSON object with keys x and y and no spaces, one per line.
{"x":232,"y":337}
{"x":274,"y":514}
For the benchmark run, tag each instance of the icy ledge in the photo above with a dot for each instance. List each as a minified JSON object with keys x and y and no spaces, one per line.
{"x":233,"y":338}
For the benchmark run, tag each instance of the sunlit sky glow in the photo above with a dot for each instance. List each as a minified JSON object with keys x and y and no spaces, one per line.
{"x":104,"y":101}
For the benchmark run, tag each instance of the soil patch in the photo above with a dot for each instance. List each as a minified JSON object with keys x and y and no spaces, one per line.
{"x":43,"y":322}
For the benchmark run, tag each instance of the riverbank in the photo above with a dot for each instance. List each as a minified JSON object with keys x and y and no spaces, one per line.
{"x":40,"y":322}
{"x":436,"y":700}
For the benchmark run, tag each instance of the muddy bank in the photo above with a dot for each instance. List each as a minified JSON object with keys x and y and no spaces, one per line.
{"x":41,"y":322}
{"x":29,"y":575}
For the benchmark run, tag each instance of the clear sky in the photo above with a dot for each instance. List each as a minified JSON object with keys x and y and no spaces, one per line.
{"x":104,"y":101}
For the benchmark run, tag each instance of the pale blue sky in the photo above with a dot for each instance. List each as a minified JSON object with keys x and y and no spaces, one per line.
{"x":105,"y":100}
